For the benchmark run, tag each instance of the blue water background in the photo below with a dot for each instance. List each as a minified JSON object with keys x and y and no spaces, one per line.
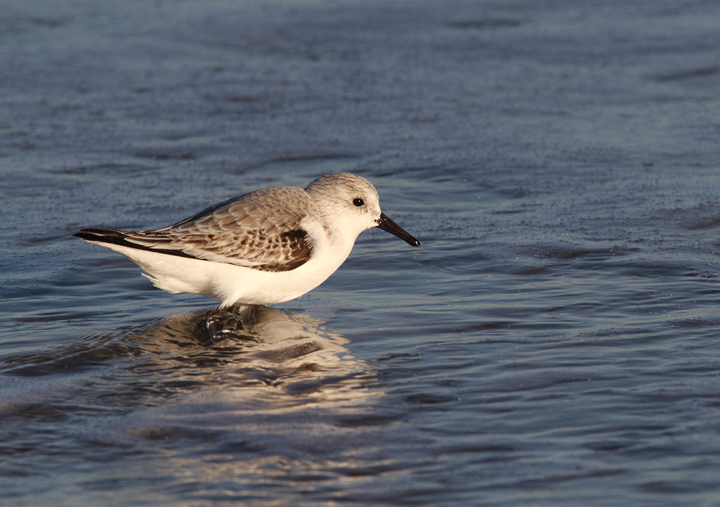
{"x":554,"y":341}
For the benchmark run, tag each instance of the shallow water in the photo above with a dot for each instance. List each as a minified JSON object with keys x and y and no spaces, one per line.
{"x":552,"y":342}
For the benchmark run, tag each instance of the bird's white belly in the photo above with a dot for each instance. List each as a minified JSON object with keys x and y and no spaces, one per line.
{"x":236,"y":284}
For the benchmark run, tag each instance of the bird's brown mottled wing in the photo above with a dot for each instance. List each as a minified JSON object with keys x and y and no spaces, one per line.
{"x":262,"y":233}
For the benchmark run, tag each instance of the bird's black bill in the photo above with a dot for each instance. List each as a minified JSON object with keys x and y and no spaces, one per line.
{"x":388,"y":225}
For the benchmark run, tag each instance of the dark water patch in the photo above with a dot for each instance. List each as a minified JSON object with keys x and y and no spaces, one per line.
{"x":560,"y":478}
{"x":658,"y":269}
{"x":375,"y":419}
{"x":403,"y":356}
{"x":371,"y":471}
{"x":539,"y":380}
{"x":234,"y":448}
{"x":695,"y":322}
{"x":567,"y":253}
{"x":312,"y":158}
{"x":703,"y":276}
{"x":609,"y":446}
{"x":152,"y":433}
{"x":699,"y":222}
{"x":43,"y":413}
{"x":165,"y":155}
{"x":496,"y":451}
{"x":15,"y":24}
{"x":79,"y":361}
{"x":49,"y":23}
{"x":687,"y":74}
{"x":672,"y":487}
{"x":101,"y":170}
{"x":583,"y":306}
{"x":245,"y":98}
{"x":484,"y":24}
{"x":512,"y":211}
{"x":532,"y":270}
{"x":479,"y":327}
{"x":428,"y":399}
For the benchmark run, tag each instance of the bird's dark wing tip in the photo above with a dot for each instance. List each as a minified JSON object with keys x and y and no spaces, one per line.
{"x":105,"y":235}
{"x":125,"y":239}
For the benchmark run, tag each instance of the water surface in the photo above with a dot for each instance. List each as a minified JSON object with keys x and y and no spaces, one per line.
{"x":552,"y":342}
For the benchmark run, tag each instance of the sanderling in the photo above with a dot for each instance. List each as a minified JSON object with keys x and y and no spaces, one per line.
{"x":265,"y":247}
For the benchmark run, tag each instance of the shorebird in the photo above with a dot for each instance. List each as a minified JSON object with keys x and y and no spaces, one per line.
{"x":264,"y":247}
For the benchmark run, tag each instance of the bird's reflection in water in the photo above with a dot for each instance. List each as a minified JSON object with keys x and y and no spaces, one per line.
{"x":250,"y":346}
{"x":252,"y":373}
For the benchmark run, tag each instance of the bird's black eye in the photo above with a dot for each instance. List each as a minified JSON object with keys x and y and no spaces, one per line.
{"x":358,"y":202}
